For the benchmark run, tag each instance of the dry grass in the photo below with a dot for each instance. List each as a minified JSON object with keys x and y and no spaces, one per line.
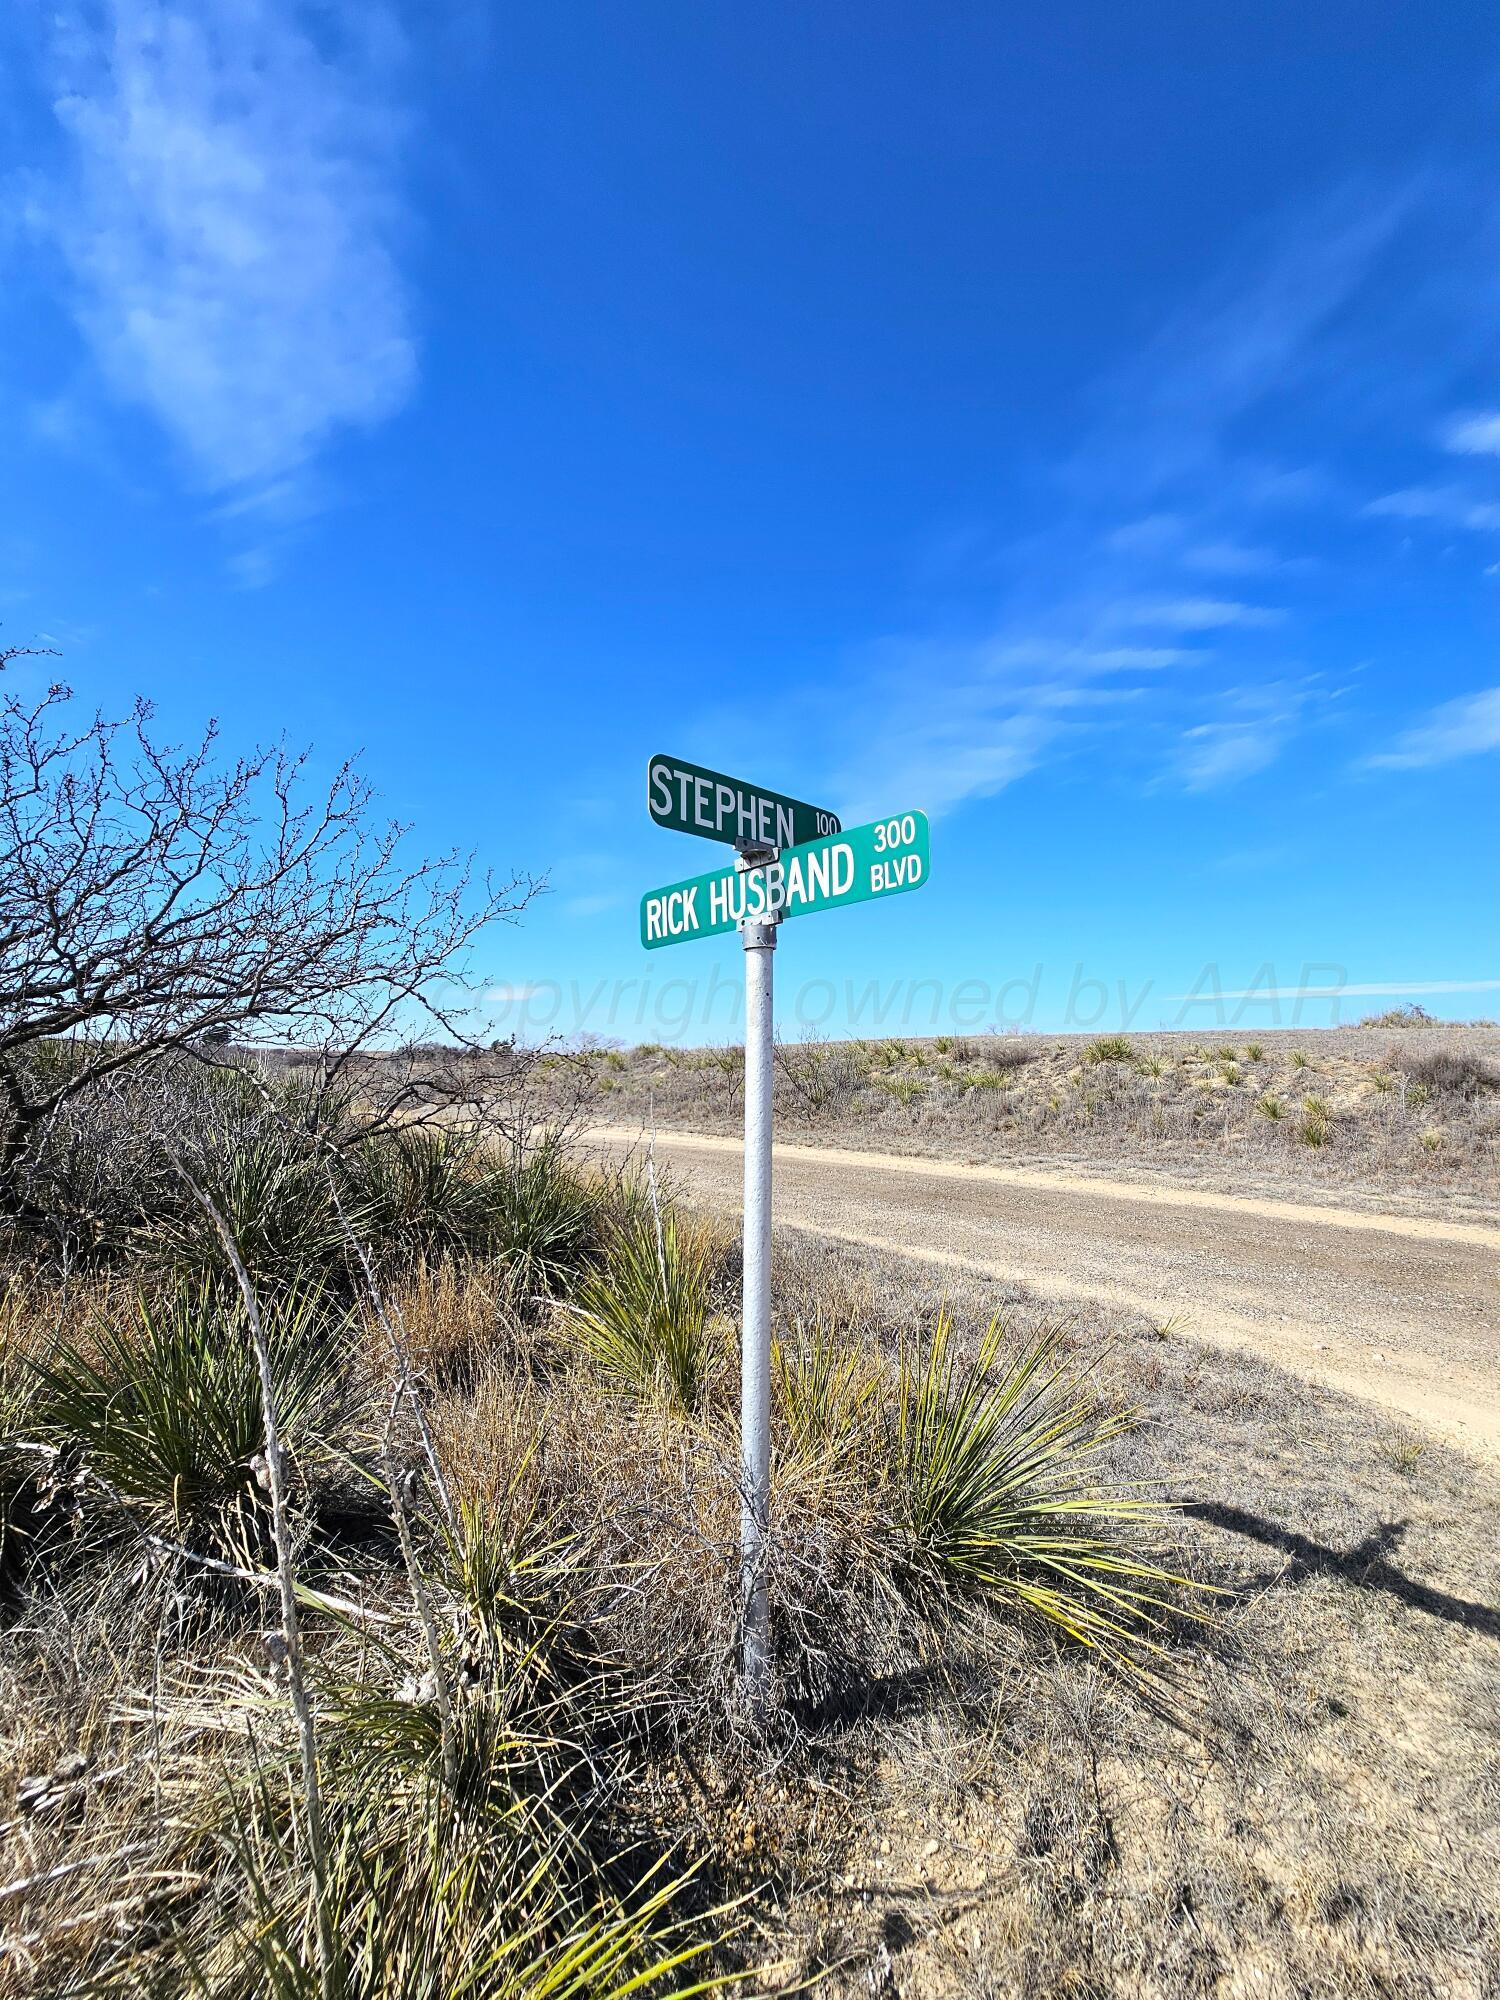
{"x":1332,"y":1834}
{"x":1415,"y":1114}
{"x":953,"y":1801}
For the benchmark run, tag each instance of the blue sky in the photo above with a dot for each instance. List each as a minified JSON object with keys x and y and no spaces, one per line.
{"x":1080,"y":422}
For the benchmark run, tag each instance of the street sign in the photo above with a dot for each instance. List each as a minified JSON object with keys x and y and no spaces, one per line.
{"x":818,"y":867}
{"x":689,"y":799}
{"x":886,"y":858}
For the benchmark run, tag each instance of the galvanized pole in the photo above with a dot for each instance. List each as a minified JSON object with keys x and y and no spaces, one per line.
{"x":755,"y":1336}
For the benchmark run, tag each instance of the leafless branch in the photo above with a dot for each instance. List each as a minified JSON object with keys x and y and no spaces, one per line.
{"x":156,"y":899}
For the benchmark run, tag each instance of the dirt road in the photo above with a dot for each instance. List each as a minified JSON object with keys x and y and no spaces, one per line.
{"x":1401,"y":1310}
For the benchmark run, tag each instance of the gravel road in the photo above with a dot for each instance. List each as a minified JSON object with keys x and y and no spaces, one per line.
{"x":1401,"y":1310}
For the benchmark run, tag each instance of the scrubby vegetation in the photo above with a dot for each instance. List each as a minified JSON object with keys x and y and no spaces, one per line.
{"x":1340,"y":1106}
{"x":494,"y":1743}
{"x":512,"y":1518}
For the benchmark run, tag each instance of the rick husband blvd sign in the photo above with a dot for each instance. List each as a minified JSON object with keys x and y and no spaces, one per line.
{"x":886,"y":858}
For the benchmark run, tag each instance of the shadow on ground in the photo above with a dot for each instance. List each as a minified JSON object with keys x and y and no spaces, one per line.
{"x":1366,"y":1565}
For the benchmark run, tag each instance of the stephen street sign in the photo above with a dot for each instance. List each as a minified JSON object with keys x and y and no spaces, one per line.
{"x":885,"y":858}
{"x":689,"y":799}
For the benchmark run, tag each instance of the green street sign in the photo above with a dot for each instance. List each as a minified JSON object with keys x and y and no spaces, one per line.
{"x":885,"y":858}
{"x":689,"y":799}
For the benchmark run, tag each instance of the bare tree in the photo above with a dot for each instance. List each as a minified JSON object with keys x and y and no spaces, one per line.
{"x":156,"y":900}
{"x":820,"y":1074}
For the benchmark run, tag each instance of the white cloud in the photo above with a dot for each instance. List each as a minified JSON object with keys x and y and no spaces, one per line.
{"x":950,"y":762}
{"x":1248,"y":336}
{"x":1218,"y":753}
{"x":1196,"y":614}
{"x":1086,"y":659}
{"x":227,"y":218}
{"x":1447,"y":505}
{"x":1157,"y":496}
{"x":511,"y":996}
{"x":1462,"y":728}
{"x":1151,"y":535}
{"x":971,"y":743}
{"x":1477,"y":434}
{"x":1255,"y":723}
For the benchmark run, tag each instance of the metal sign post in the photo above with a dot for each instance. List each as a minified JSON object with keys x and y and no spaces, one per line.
{"x":771,"y":880}
{"x":755,"y":1333}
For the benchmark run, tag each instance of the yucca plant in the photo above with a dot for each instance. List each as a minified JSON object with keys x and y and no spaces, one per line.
{"x":644,"y":1317}
{"x":905,"y":1089}
{"x":439,"y":1928}
{"x":415,"y":1191}
{"x":486,"y":1894}
{"x":167,"y":1408}
{"x":513,"y":1571}
{"x":1000,"y":1496}
{"x":516,"y":1850}
{"x":276,"y":1200}
{"x":826,"y":1392}
{"x":541,"y":1217}
{"x":1109,"y":1048}
{"x":1317,"y":1122}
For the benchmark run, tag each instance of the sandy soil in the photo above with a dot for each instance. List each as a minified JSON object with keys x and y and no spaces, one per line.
{"x":1403,"y":1311}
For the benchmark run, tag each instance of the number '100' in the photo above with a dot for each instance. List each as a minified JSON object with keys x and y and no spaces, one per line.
{"x":895,"y":833}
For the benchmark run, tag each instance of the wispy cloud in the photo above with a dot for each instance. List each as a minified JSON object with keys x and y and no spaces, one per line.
{"x":228,"y":215}
{"x":1159,"y":564}
{"x":1466,"y":727}
{"x":1477,"y":434}
{"x":1449,"y":506}
{"x":1217,"y":753}
{"x":1249,"y":334}
{"x":1197,"y":614}
{"x":1230,"y":558}
{"x":1252,"y":726}
{"x":1157,"y":495}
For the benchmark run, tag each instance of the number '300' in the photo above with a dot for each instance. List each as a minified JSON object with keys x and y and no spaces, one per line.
{"x":895,"y":833}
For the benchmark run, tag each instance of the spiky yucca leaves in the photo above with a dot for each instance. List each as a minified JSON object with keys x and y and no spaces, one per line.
{"x":415,"y":1191}
{"x":432,"y":1922}
{"x":516,"y":1573}
{"x":644,"y":1318}
{"x":826,"y":1391}
{"x":276,"y":1200}
{"x":520,"y":1880}
{"x":423,"y":1193}
{"x":542,"y":1218}
{"x":999,"y":1496}
{"x":167,"y":1407}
